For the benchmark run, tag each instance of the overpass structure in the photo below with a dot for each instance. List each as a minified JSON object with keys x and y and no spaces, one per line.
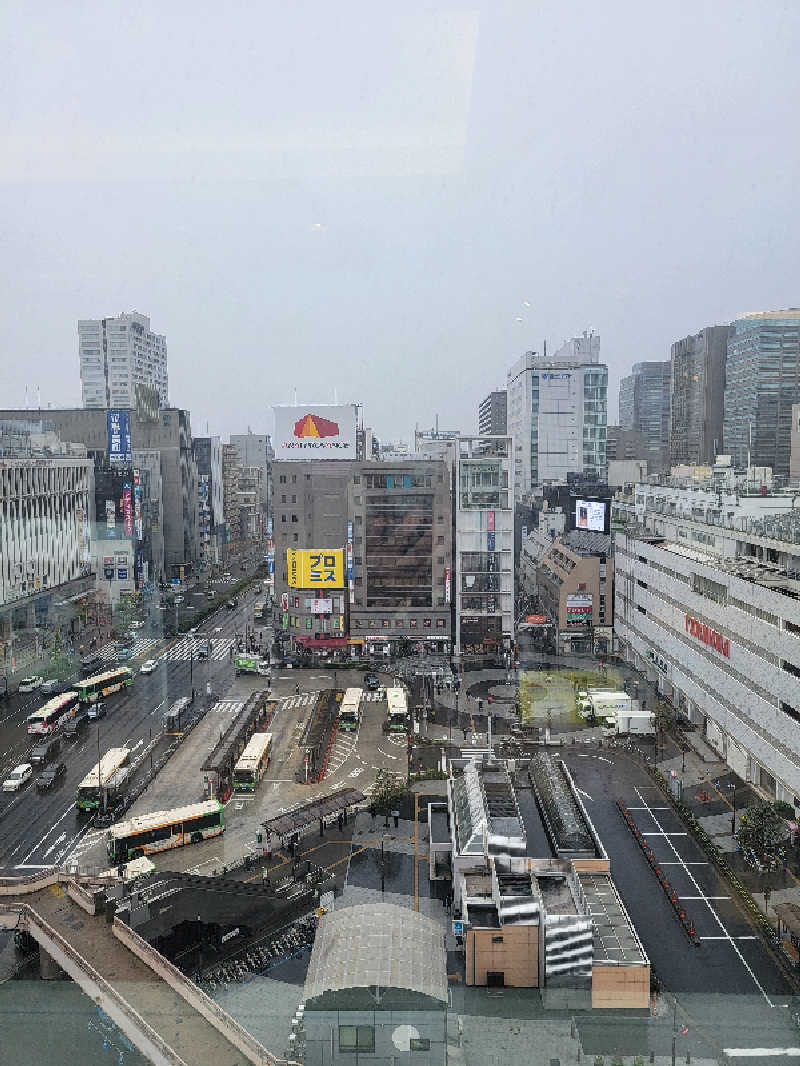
{"x":170,"y":1020}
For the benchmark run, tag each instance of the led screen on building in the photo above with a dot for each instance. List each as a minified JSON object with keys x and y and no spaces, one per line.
{"x":316,"y":431}
{"x":590,"y":514}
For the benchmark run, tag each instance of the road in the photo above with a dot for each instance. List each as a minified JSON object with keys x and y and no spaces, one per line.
{"x":39,"y":830}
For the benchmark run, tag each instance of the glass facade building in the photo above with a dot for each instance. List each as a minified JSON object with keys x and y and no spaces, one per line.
{"x":762,"y":381}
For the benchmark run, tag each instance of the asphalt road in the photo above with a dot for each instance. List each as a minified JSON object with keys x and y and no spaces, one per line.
{"x":40,"y":830}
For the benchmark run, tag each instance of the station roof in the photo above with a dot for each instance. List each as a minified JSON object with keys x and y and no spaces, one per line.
{"x":381,"y":945}
{"x":313,"y":811}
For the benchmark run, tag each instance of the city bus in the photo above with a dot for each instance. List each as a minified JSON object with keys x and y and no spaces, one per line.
{"x":148,"y":833}
{"x":105,"y":778}
{"x":92,"y":688}
{"x":253,"y":762}
{"x":396,"y":710}
{"x":350,"y":709}
{"x":258,"y":609}
{"x":53,"y":714}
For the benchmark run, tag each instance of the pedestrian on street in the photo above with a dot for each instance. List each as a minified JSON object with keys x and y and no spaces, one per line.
{"x":340,"y":822}
{"x":372,"y":811}
{"x":465,"y":731}
{"x":297,"y":689}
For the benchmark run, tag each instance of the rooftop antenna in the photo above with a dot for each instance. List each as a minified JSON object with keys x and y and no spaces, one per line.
{"x":26,"y":397}
{"x":544,"y":349}
{"x":294,"y":394}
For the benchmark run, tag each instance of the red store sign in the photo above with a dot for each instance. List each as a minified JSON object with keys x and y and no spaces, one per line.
{"x":708,"y":636}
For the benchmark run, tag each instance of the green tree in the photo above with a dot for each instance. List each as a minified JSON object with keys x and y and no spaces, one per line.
{"x":388,"y":791}
{"x":762,"y":829}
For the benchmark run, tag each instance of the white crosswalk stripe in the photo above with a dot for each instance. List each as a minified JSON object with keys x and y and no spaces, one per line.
{"x":141,"y":646}
{"x":189,"y":648}
{"x":303,"y":700}
{"x":231,"y":707}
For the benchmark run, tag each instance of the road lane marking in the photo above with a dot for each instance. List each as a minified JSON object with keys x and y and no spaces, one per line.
{"x":761,"y":1052}
{"x":718,"y":920}
{"x":49,"y":831}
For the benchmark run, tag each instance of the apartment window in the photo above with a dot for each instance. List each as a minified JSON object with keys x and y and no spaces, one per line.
{"x":282,"y":479}
{"x":283,"y":518}
{"x":308,"y":477}
{"x":294,"y":499}
{"x":283,"y":498}
{"x":440,"y":540}
{"x":294,"y":479}
{"x":294,"y":518}
{"x":295,"y":537}
{"x":356,"y":1037}
{"x":497,"y":940}
{"x":356,"y":479}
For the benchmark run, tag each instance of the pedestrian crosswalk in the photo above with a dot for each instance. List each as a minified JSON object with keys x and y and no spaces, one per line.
{"x":190,"y":647}
{"x":141,"y":645}
{"x":301,"y":700}
{"x":228,"y":707}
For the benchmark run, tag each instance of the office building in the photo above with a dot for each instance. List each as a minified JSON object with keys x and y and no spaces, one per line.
{"x":484,"y":527}
{"x":794,"y":447}
{"x":255,"y":449}
{"x":492,"y":414}
{"x":116,"y":438}
{"x":211,"y":516}
{"x":574,"y":585}
{"x":46,"y":542}
{"x":706,"y":604}
{"x":624,"y":444}
{"x":116,"y":355}
{"x":762,"y":381}
{"x":402,"y":555}
{"x":697,"y":396}
{"x":644,"y":405}
{"x":557,"y":415}
{"x":250,"y":503}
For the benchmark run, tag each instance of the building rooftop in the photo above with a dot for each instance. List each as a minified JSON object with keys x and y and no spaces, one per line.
{"x":587,"y":542}
{"x":615,"y":939}
{"x":378,"y":944}
{"x":485,"y":805}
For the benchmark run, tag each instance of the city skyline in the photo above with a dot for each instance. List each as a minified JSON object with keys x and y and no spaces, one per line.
{"x":359,"y":232}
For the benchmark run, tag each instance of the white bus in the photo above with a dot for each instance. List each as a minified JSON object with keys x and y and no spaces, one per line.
{"x":253,"y":762}
{"x":350,"y":709}
{"x":53,"y":714}
{"x":101,"y":778}
{"x":396,"y":710}
{"x":148,"y":833}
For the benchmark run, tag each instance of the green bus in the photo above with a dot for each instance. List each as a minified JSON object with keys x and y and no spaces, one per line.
{"x":104,"y":780}
{"x":148,"y":833}
{"x":92,"y":688}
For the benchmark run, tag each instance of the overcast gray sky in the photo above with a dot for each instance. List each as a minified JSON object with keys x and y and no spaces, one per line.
{"x":362,"y":197}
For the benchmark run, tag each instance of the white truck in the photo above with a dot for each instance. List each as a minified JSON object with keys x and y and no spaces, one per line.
{"x":634,"y":722}
{"x":599,"y":703}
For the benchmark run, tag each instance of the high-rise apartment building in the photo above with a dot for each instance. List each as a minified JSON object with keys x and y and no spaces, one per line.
{"x":492,"y":414}
{"x":557,"y":414}
{"x":644,"y":405}
{"x":696,"y":396}
{"x":116,"y":355}
{"x":762,"y":381}
{"x":231,"y":469}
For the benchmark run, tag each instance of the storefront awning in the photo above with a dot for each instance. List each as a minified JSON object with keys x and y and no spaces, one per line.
{"x":324,"y":642}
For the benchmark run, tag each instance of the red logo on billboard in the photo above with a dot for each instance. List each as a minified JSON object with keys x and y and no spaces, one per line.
{"x":315,"y":426}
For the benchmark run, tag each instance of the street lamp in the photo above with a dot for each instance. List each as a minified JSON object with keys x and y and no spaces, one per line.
{"x":732,"y":786}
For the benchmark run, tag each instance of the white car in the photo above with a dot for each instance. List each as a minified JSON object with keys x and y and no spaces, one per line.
{"x":192,"y":631}
{"x":148,"y":666}
{"x":30,"y":684}
{"x":18,"y":777}
{"x":137,"y":625}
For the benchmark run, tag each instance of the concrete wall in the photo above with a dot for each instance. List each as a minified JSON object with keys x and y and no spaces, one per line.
{"x":516,"y":956}
{"x":618,"y":987}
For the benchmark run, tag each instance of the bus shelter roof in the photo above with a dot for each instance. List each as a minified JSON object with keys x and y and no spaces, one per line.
{"x":239,"y":731}
{"x":313,"y":811}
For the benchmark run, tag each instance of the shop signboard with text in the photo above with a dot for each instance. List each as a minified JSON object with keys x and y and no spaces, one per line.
{"x":310,"y":568}
{"x":118,"y":430}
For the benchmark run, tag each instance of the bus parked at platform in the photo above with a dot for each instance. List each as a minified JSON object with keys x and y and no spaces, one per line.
{"x":350,"y":709}
{"x":253,"y":763}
